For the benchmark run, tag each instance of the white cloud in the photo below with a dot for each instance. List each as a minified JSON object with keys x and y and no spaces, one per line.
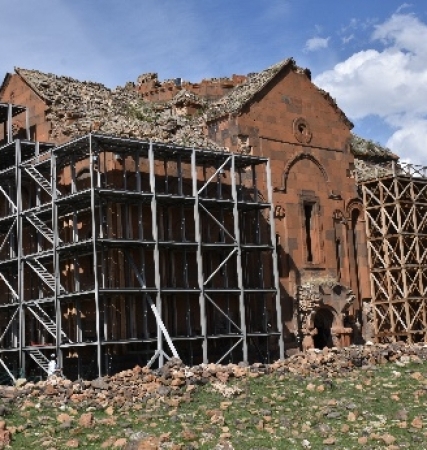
{"x":390,"y":82}
{"x":411,"y":141}
{"x":347,"y":39}
{"x":354,"y":24}
{"x":403,"y":6}
{"x":316,"y":43}
{"x":403,"y":32}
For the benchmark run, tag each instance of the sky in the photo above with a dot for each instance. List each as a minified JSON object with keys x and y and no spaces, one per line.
{"x":371,"y":55}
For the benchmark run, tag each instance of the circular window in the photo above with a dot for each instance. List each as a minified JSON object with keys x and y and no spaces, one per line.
{"x":302,"y":130}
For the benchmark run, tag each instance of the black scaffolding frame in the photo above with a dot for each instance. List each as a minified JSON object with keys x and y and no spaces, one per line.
{"x":133,"y":251}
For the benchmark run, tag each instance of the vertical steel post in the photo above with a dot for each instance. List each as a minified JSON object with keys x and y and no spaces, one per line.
{"x":156,"y":253}
{"x":9,"y":124}
{"x":141,"y":238}
{"x":18,"y":184}
{"x":27,"y":124}
{"x":76,"y":264}
{"x":38,"y":204}
{"x":200,"y":276}
{"x":239,"y":259}
{"x":55,"y":256}
{"x":274,"y":260}
{"x":95,"y":256}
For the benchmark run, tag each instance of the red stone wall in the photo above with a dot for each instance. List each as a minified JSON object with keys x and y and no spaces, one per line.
{"x":18,"y":93}
{"x":210,"y":89}
{"x":306,"y":138}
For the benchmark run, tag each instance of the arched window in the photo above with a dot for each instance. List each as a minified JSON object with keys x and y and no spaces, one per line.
{"x":83,"y":179}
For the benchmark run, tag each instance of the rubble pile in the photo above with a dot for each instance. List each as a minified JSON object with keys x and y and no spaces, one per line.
{"x":175,"y":381}
{"x":367,"y":170}
{"x":366,"y":149}
{"x":77,"y":108}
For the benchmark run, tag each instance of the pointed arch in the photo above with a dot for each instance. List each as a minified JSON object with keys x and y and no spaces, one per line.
{"x":300,"y":157}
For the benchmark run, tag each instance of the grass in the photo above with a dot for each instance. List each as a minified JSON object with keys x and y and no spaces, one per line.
{"x":371,"y":409}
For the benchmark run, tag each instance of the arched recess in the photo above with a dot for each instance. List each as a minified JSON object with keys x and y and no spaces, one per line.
{"x":324,"y":319}
{"x":83,"y":179}
{"x":299,"y":157}
{"x":340,"y":243}
{"x":353,"y":204}
{"x":358,"y":257}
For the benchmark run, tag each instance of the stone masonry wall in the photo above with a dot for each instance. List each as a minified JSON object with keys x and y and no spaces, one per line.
{"x":307,"y":139}
{"x":153,"y":90}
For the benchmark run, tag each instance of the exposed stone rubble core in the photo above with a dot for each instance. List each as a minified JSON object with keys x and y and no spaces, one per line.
{"x":366,"y":170}
{"x":233,"y":101}
{"x":77,"y":108}
{"x":255,"y":82}
{"x":310,"y":297}
{"x":184,"y":97}
{"x":367,"y":149}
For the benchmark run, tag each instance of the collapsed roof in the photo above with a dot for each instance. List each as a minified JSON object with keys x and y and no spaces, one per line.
{"x":242,"y":94}
{"x":79,"y":107}
{"x":368,"y":150}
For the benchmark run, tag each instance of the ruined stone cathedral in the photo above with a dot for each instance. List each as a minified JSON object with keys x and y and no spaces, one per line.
{"x":233,"y":219}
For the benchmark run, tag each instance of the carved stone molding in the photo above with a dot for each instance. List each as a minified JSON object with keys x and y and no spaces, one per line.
{"x":302,"y":130}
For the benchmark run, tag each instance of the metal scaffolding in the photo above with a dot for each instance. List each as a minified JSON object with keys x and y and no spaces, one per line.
{"x":116,"y":252}
{"x":396,"y":223}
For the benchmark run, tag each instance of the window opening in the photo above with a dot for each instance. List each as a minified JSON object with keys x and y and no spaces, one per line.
{"x":33,"y":132}
{"x":279,"y":254}
{"x":308,"y":212}
{"x":338,"y":257}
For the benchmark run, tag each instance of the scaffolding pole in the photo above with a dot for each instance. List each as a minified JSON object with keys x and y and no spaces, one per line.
{"x":94,"y":233}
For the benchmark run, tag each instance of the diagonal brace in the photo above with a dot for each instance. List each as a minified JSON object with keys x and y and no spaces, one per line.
{"x":218,"y":222}
{"x":8,"y":199}
{"x":222,"y":312}
{"x":9,"y":286}
{"x":220,"y":266}
{"x":153,"y":307}
{"x":214,"y":175}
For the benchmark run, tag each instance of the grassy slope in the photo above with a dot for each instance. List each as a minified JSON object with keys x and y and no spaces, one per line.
{"x":380,"y":408}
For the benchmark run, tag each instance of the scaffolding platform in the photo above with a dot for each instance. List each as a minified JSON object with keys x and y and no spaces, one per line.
{"x":118,"y":252}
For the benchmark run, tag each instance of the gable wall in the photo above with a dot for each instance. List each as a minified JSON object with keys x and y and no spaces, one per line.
{"x":19,"y":93}
{"x":313,"y":174}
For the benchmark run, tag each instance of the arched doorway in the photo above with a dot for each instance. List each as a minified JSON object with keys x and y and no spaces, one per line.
{"x":323,"y":320}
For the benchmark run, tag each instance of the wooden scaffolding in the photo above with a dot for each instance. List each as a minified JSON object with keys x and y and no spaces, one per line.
{"x":395,"y":201}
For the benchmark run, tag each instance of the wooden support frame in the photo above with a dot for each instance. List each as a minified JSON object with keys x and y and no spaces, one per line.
{"x":396,"y":225}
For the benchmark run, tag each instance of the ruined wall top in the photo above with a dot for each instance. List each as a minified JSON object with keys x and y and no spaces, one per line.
{"x":75,"y":108}
{"x":242,"y":93}
{"x":149,"y":109}
{"x":369,"y":150}
{"x":153,"y":89}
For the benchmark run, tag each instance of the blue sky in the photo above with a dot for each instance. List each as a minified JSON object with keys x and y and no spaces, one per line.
{"x":370,"y":55}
